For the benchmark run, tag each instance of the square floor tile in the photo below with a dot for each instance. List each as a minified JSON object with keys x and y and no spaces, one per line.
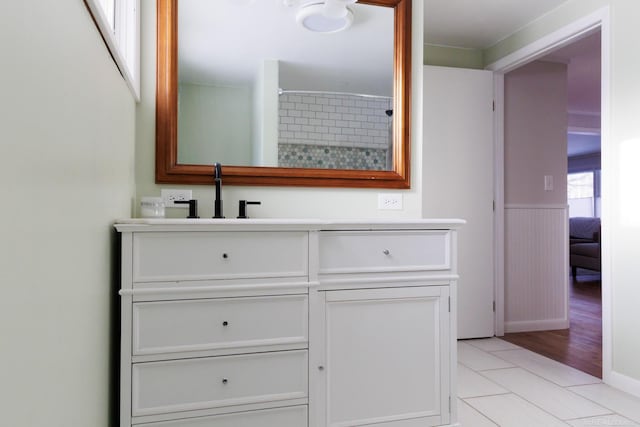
{"x":509,"y":410}
{"x":548,"y":396}
{"x":546,"y":368}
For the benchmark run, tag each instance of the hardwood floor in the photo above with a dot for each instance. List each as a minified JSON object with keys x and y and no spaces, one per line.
{"x":580,"y":346}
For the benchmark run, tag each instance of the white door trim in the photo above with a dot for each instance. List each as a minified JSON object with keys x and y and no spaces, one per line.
{"x":588,"y":24}
{"x":498,"y":199}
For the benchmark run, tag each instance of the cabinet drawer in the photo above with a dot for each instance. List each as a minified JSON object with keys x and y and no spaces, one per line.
{"x":291,"y":416}
{"x":381,"y":251}
{"x":221,"y":323}
{"x":213,"y":382}
{"x":161,"y":256}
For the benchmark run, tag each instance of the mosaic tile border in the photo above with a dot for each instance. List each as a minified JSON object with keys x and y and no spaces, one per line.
{"x":329,"y":157}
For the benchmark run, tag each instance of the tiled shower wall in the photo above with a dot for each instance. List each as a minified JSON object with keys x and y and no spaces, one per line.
{"x":339,"y":131}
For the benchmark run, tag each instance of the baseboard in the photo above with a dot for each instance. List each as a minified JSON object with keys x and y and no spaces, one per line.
{"x":535,"y":325}
{"x":623,"y":382}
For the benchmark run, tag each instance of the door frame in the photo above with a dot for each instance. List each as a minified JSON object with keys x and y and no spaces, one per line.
{"x":598,"y":20}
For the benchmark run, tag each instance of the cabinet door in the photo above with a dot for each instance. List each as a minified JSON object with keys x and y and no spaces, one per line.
{"x":385,"y":357}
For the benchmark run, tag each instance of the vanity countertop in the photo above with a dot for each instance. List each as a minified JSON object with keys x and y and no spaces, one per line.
{"x":211,"y":224}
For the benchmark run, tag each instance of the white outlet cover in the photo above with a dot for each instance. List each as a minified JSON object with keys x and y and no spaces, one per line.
{"x":390,"y":201}
{"x":170,"y":195}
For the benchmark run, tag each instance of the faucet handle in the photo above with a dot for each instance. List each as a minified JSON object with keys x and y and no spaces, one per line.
{"x":193,"y":207}
{"x":242,"y":208}
{"x":217,"y":179}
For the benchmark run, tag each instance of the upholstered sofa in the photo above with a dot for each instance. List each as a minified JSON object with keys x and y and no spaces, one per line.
{"x":584,"y":244}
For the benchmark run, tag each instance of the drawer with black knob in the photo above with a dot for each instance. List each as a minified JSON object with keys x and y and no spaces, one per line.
{"x":219,"y":323}
{"x":189,"y":256}
{"x":215,"y":382}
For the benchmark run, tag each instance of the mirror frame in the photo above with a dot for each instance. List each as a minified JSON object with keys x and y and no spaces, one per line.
{"x":168,"y":170}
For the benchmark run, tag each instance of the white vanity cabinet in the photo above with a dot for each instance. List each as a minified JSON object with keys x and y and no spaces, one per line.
{"x":287,"y":323}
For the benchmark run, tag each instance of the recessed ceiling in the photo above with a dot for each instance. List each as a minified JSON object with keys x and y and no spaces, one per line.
{"x":478,"y":24}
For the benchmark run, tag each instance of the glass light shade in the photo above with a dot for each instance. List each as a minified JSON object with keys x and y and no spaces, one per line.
{"x":314,"y":18}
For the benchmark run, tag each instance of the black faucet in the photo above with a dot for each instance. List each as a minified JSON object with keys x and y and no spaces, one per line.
{"x":217,"y":178}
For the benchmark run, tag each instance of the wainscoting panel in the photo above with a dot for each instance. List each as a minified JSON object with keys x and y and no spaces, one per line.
{"x":536,"y":268}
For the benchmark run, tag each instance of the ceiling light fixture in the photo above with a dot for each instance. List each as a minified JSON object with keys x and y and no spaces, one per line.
{"x":329,"y":16}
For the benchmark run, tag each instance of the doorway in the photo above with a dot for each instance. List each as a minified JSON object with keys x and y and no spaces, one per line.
{"x":586,"y":287}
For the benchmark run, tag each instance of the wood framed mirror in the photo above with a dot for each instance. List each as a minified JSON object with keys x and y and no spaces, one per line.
{"x":170,"y":170}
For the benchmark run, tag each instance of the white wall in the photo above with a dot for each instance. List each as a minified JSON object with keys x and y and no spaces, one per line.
{"x":284,"y":202}
{"x":535,"y":146}
{"x":202,"y":111}
{"x":620,"y":155}
{"x":535,"y":133}
{"x":66,"y":130}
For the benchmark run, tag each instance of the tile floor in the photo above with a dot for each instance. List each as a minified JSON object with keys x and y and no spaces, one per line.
{"x":501,"y":384}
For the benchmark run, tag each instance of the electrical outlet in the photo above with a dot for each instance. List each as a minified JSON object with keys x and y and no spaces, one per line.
{"x":170,"y":196}
{"x":390,"y":201}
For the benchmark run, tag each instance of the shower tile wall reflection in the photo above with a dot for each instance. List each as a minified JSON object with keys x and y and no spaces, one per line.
{"x":325,"y":157}
{"x":341,"y":131}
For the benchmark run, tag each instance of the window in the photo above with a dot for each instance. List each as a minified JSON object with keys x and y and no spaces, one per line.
{"x":119,"y":24}
{"x":583,"y":193}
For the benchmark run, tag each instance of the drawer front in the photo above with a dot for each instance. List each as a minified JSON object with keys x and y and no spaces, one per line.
{"x":218,"y":255}
{"x":381,"y":251}
{"x":213,"y":382}
{"x":291,"y":416}
{"x":221,"y":323}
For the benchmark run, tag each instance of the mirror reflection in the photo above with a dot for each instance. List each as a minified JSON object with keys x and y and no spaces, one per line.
{"x":255,"y":88}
